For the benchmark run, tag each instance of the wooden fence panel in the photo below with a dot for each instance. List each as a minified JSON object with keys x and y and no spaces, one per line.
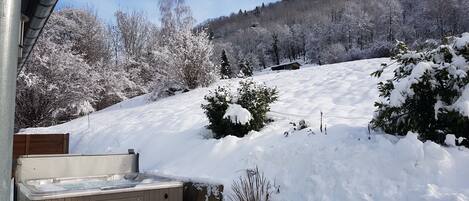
{"x":37,"y":144}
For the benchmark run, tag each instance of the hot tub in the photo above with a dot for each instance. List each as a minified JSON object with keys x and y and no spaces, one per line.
{"x":127,"y":187}
{"x":111,"y":177}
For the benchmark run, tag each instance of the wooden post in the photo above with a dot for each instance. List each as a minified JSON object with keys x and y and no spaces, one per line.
{"x":66,"y":143}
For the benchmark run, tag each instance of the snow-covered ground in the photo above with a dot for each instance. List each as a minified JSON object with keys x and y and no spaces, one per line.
{"x":342,"y":165}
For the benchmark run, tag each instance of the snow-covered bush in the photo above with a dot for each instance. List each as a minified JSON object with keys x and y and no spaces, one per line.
{"x":217,"y":104}
{"x":165,"y":87}
{"x":380,"y":49}
{"x":253,"y":186}
{"x":429,"y":93}
{"x":376,"y":50}
{"x":237,"y":114}
{"x":333,"y":53}
{"x":256,"y":98}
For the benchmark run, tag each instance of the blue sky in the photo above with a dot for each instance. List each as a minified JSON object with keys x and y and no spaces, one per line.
{"x":201,"y":9}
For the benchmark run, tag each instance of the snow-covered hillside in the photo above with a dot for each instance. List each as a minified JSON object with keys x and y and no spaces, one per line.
{"x":170,"y":134}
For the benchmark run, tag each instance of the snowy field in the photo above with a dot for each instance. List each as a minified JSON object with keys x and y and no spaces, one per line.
{"x":170,"y":134}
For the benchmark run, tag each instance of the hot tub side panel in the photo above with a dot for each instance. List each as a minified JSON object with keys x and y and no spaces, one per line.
{"x":168,"y":194}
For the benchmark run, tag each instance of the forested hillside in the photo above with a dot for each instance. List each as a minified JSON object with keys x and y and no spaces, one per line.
{"x":324,"y":31}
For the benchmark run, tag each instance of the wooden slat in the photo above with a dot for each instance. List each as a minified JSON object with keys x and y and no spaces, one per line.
{"x":130,"y":196}
{"x":78,"y":199}
{"x":65,"y":143}
{"x":180,"y":194}
{"x":28,"y":141}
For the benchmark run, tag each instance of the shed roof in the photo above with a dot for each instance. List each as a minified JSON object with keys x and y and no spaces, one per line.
{"x":286,"y":64}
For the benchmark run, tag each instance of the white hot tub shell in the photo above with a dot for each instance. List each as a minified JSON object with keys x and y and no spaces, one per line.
{"x":80,"y":178}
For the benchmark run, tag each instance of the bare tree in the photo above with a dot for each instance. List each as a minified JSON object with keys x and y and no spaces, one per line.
{"x":134,"y":31}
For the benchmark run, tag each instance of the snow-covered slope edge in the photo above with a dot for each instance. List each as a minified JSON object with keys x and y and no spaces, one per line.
{"x":342,"y":165}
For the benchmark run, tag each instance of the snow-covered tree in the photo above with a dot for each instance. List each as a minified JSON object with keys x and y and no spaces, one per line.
{"x":245,"y":69}
{"x":183,"y":57}
{"x":134,"y":40}
{"x":275,"y":51}
{"x":114,"y":85}
{"x":175,"y":16}
{"x":429,"y":93}
{"x":391,"y":18}
{"x":333,"y":53}
{"x":225,"y":66}
{"x":190,"y":63}
{"x":247,"y":64}
{"x":134,"y":32}
{"x":57,"y":84}
{"x":70,"y":71}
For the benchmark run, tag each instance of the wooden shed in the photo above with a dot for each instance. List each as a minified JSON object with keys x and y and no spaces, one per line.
{"x":287,"y":66}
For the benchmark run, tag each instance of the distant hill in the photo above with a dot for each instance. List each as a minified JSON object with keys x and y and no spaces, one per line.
{"x":324,"y":31}
{"x":281,"y":12}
